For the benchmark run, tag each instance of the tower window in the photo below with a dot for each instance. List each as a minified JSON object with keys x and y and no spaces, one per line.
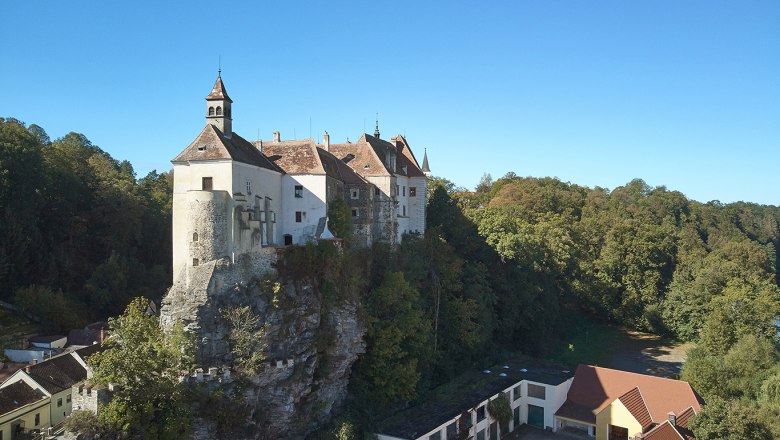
{"x":412,"y":191}
{"x":207,"y":184}
{"x":219,"y":111}
{"x":211,"y":111}
{"x":194,"y":236}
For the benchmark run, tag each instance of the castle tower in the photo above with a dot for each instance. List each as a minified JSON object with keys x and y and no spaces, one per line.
{"x":218,"y":112}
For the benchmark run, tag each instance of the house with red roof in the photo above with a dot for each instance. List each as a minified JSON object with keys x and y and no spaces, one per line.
{"x":611,"y":404}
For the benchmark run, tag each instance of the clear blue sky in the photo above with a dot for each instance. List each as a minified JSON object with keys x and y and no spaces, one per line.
{"x":680,"y":93}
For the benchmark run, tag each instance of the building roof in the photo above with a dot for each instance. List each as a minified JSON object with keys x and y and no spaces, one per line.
{"x":293,"y":156}
{"x":361,"y":157}
{"x":219,"y":91}
{"x":462,"y":394}
{"x":595,"y":387}
{"x":46,"y":339}
{"x":18,"y":395}
{"x":211,"y":144}
{"x":406,"y":158}
{"x":664,"y":431}
{"x":344,"y":172}
{"x":635,"y":404}
{"x":58,"y":373}
{"x":83,"y":337}
{"x":7,"y":369}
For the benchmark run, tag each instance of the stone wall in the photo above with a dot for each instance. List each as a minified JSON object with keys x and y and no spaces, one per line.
{"x":295,"y":392}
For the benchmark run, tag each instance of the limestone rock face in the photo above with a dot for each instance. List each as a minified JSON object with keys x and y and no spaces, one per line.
{"x":310,"y":348}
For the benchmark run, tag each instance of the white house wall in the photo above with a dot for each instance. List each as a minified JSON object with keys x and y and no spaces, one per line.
{"x":312,"y":204}
{"x":417,"y":204}
{"x":263,"y":183}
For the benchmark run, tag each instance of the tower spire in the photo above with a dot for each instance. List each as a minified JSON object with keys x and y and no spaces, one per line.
{"x":376,"y":129}
{"x":218,"y":107}
{"x":425,"y":168}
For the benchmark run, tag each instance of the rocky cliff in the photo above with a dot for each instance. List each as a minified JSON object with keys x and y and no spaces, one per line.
{"x":310,"y":344}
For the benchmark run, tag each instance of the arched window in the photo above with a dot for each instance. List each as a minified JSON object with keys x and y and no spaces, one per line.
{"x":219,"y":111}
{"x":194,"y":236}
{"x":211,"y":111}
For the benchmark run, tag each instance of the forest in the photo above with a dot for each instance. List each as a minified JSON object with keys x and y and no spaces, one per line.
{"x":500,"y":270}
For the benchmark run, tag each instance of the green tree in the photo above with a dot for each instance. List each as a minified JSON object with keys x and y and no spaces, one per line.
{"x":340,"y":218}
{"x":145,"y":363}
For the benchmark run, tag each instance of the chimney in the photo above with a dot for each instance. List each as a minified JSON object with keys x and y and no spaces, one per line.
{"x":27,"y":369}
{"x":326,"y":141}
{"x":672,"y":419}
{"x":35,"y":361}
{"x":277,"y":136}
{"x":259,"y":145}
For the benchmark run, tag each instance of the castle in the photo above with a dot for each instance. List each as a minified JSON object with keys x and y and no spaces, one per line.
{"x":232,"y":196}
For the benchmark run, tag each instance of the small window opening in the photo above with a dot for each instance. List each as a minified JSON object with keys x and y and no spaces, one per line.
{"x":194,"y":236}
{"x":248,"y":187}
{"x":299,"y":191}
{"x":354,"y":213}
{"x":219,"y":111}
{"x":299,"y":215}
{"x":376,"y":191}
{"x":412,"y":191}
{"x":211,"y":111}
{"x":195,"y":262}
{"x":354,"y":193}
{"x":207,"y":184}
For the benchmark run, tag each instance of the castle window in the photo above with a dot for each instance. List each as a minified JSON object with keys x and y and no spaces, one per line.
{"x":59,"y":402}
{"x":299,"y":191}
{"x":211,"y":111}
{"x":376,"y":191}
{"x":412,"y":191}
{"x":354,"y":193}
{"x":404,"y":210}
{"x":195,"y":262}
{"x":37,"y":419}
{"x":299,"y":216}
{"x":354,"y":213}
{"x":194,"y":236}
{"x":248,"y":187}
{"x":404,"y":191}
{"x":219,"y":111}
{"x":207,"y":184}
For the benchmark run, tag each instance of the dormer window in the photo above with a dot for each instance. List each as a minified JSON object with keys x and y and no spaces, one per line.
{"x":211,"y":111}
{"x":219,"y":111}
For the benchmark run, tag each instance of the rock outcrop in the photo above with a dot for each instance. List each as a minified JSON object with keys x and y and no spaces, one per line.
{"x":309,"y":347}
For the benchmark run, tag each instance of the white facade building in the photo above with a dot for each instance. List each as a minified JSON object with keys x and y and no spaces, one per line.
{"x":232,"y":196}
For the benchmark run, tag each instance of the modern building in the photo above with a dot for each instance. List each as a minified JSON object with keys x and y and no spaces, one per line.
{"x":534,"y":390}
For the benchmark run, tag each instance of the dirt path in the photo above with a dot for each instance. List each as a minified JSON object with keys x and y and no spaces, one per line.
{"x":646,"y":353}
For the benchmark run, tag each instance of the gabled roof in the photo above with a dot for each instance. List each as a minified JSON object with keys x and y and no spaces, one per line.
{"x":381,"y":147}
{"x":664,"y":431}
{"x":406,"y":158}
{"x":635,"y":404}
{"x":595,"y":387}
{"x":219,"y":91}
{"x":361,"y":157}
{"x":211,"y":144}
{"x":58,"y":373}
{"x":342,"y":170}
{"x":18,"y":395}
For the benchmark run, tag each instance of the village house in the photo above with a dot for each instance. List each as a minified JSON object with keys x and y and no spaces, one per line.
{"x":45,"y":390}
{"x":232,"y":197}
{"x":612,"y":404}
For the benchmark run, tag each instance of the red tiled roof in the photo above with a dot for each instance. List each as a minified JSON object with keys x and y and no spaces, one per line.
{"x":211,"y":144}
{"x":294,"y":156}
{"x":664,"y":431}
{"x":635,"y":404}
{"x":361,"y":157}
{"x":594,"y":388}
